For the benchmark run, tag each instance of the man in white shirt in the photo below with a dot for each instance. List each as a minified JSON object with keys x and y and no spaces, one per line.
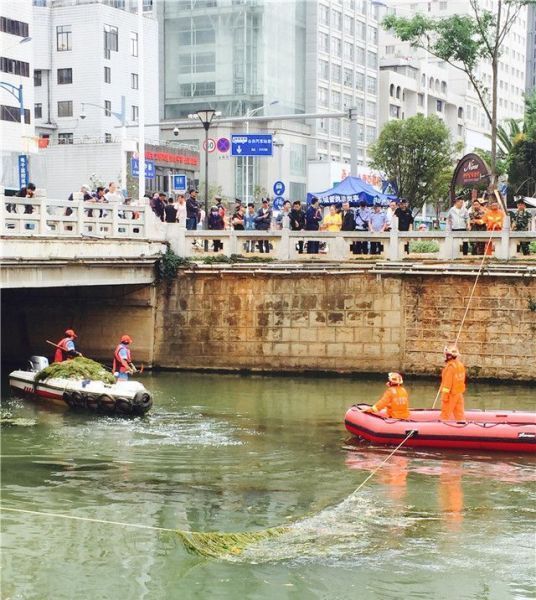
{"x":180,"y":207}
{"x":458,"y":220}
{"x":113,"y":194}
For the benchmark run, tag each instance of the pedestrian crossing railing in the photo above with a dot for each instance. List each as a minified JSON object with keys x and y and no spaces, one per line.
{"x":44,"y":217}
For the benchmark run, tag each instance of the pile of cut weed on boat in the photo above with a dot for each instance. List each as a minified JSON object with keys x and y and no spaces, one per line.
{"x":77,"y":368}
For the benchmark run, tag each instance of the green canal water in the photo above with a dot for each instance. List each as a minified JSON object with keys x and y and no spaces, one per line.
{"x":232,"y":453}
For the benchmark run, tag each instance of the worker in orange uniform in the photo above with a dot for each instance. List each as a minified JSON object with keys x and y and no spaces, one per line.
{"x":493,"y":219}
{"x":452,"y":385}
{"x":122,"y":365}
{"x":65,"y":348}
{"x":394,"y":399}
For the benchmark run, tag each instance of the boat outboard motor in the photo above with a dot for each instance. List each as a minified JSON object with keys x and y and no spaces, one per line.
{"x":38,"y":363}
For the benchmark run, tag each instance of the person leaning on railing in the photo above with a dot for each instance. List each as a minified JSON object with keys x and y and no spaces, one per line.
{"x":520,"y":222}
{"x":458,"y":220}
{"x":476,"y":222}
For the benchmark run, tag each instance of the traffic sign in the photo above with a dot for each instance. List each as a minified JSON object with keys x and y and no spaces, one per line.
{"x":251,"y":144}
{"x":223,"y":145}
{"x":179,"y":183}
{"x":279,"y":188}
{"x":150,"y":169}
{"x":211,"y":145}
{"x":278,"y":202}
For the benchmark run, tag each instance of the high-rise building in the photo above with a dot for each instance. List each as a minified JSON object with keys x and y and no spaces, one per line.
{"x":16,"y":91}
{"x":272,"y":57}
{"x":531,"y":48}
{"x":511,"y":84}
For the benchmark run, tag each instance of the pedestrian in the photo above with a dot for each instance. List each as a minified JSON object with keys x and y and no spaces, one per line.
{"x":192,"y":209}
{"x":333,"y":220}
{"x":218,"y":201}
{"x":249,"y":225}
{"x":180,"y":207}
{"x":377,"y":224}
{"x":262,"y":223}
{"x":26,"y":191}
{"x":297,"y":222}
{"x":520,"y":222}
{"x":313,"y":217}
{"x":113,"y":194}
{"x":389,"y":214}
{"x":283,"y":218}
{"x":65,"y":347}
{"x":477,"y":223}
{"x":404,"y":215}
{"x":170,"y":212}
{"x":216,"y":223}
{"x":452,"y":385}
{"x":362,"y":217}
{"x":458,"y":220}
{"x":395,"y":399}
{"x":122,"y":364}
{"x":494,"y":219}
{"x":237,"y":220}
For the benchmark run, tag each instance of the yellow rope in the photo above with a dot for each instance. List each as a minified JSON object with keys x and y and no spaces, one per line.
{"x":468,"y":305}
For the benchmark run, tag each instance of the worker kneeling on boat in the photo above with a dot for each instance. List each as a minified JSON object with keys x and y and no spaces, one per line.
{"x":65,"y":348}
{"x":123,"y":366}
{"x":452,"y":385}
{"x":395,"y":398}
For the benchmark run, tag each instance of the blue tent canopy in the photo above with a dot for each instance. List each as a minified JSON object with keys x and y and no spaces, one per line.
{"x":355,"y":190}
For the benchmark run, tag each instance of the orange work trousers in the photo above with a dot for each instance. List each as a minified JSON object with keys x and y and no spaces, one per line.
{"x":452,"y":408}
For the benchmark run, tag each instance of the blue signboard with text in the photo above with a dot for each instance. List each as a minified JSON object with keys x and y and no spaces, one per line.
{"x":150,"y":170}
{"x":23,"y":170}
{"x":279,"y":188}
{"x":179,"y":183}
{"x":251,"y":144}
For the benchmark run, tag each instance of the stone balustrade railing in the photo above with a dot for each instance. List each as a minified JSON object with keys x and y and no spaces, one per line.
{"x":42,"y":217}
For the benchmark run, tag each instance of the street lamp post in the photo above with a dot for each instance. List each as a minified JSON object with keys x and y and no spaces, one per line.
{"x":250,"y":113}
{"x":122,"y":118}
{"x":205,"y":116}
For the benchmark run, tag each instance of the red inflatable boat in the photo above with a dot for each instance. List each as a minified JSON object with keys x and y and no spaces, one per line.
{"x":501,"y":430}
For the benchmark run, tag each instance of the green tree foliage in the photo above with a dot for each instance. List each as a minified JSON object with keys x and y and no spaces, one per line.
{"x":463,"y":41}
{"x":522,"y":169}
{"x":414,"y":153}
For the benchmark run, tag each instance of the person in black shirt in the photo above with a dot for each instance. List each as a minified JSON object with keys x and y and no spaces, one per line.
{"x":348,"y":218}
{"x":313,"y":216}
{"x":170,"y":212}
{"x":405,"y":218}
{"x":297,"y":222}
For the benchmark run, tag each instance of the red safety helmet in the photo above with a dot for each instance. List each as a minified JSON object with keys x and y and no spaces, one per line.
{"x":70,"y":333}
{"x":126,"y":339}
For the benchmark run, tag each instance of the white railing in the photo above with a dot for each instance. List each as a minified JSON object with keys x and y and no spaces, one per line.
{"x":52,"y":218}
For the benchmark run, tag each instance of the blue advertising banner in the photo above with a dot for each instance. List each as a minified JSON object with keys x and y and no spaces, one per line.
{"x":24,"y":176}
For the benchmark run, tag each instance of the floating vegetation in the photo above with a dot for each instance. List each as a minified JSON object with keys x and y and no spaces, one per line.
{"x":77,"y":368}
{"x":18,"y":421}
{"x":221,"y":545}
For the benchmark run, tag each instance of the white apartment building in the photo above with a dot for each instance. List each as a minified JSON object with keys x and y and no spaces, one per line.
{"x":16,"y":134}
{"x":512,"y":67}
{"x":531,"y":48}
{"x":86,"y":82}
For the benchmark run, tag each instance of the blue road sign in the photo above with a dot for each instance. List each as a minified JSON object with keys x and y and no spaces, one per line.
{"x":150,"y":170}
{"x":278,"y":202}
{"x":251,"y":144}
{"x":279,"y":188}
{"x":23,"y":170}
{"x":179,"y":183}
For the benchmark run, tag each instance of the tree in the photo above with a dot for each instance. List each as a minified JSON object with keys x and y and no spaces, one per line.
{"x":414,"y":153}
{"x":463,"y":41}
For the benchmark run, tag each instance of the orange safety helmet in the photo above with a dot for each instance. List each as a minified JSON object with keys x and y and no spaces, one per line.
{"x":395,"y":379}
{"x":451,"y":349}
{"x":70,"y":333}
{"x":126,"y":339}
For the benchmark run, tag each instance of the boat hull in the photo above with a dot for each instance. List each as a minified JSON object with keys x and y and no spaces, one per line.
{"x":121,"y":398}
{"x":500,"y":431}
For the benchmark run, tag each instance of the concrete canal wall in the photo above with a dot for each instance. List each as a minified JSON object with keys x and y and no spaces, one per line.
{"x":345,"y":323}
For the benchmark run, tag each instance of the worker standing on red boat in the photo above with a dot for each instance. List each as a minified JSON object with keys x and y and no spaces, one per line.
{"x":395,"y":398}
{"x":65,"y":348}
{"x":452,"y":385}
{"x":122,"y":366}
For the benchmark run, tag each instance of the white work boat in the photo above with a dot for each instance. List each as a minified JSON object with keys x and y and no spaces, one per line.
{"x":122,"y":397}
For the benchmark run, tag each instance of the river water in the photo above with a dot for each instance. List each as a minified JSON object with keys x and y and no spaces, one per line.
{"x":235,"y":453}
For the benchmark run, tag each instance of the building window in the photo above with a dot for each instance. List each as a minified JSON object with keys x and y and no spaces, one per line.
{"x":389,"y":49}
{"x":38,"y":111}
{"x":297,"y":190}
{"x":65,"y":76}
{"x":107,"y":75}
{"x":371,"y":133}
{"x":323,"y":15}
{"x":298,"y":159}
{"x":135,"y":113}
{"x":371,"y":84}
{"x":134,"y":81}
{"x":12,"y":113}
{"x":336,"y":73}
{"x":323,"y":69}
{"x":439,"y":105}
{"x":202,"y":62}
{"x":392,"y":90}
{"x":199,"y":88}
{"x":107,"y":108}
{"x":14,"y":27}
{"x":336,"y":20}
{"x":348,"y":78}
{"x":394,"y":111}
{"x":460,"y":112}
{"x":372,"y":58}
{"x":336,"y":47}
{"x":360,"y":55}
{"x":460,"y":130}
{"x":63,"y":38}
{"x":323,"y":42}
{"x":348,"y":25}
{"x":65,"y":138}
{"x":107,"y":138}
{"x":323,"y":97}
{"x":359,"y":81}
{"x":349,"y":51}
{"x":371,"y":110}
{"x":335,"y":99}
{"x":111,"y":40}
{"x":336,"y":127}
{"x":420,"y":99}
{"x":38,"y":77}
{"x":15,"y":67}
{"x":65,"y":108}
{"x":133,"y":43}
